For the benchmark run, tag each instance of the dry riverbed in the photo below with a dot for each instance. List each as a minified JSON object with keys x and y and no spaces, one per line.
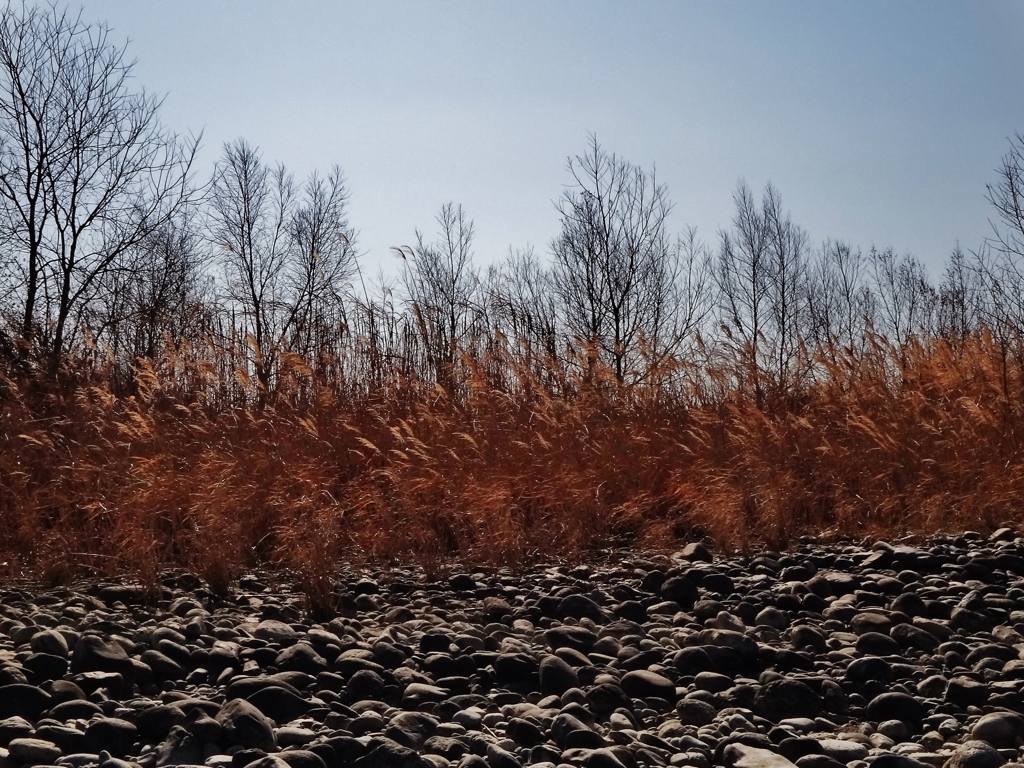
{"x":825,"y":656}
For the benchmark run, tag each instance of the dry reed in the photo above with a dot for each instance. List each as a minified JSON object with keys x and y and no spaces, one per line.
{"x":497,"y":468}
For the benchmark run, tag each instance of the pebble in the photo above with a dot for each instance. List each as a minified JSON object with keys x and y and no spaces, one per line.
{"x":824,"y":656}
{"x":976,"y":754}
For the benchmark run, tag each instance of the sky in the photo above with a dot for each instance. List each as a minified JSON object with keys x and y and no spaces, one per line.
{"x":879,"y":122}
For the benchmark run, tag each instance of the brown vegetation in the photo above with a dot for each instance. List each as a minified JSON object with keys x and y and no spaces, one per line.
{"x":499,"y":469}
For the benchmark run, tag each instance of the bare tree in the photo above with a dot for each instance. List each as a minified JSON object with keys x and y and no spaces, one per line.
{"x":158,"y":293}
{"x":443,"y":289}
{"x":840,"y":303}
{"x":1001,"y":259}
{"x":87,"y":171}
{"x":1007,"y":197}
{"x":1001,"y":304}
{"x":689,"y":299}
{"x":288,"y":255}
{"x":744,"y":281}
{"x":907,"y":300}
{"x":524,"y":306}
{"x":612,"y":269}
{"x":379,"y":333}
{"x":324,"y":264}
{"x":763,"y":292}
{"x":787,"y":291}
{"x":251,"y":211}
{"x":959,"y":296}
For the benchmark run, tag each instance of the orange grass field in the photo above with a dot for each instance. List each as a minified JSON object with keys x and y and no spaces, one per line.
{"x":919,"y":439}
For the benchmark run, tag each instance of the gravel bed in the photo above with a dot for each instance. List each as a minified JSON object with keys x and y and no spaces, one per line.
{"x":825,"y":656}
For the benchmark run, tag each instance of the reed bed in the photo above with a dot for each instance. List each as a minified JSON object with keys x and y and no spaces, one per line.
{"x":501,"y":466}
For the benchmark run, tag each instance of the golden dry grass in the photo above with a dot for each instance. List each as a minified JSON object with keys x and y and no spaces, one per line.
{"x":913,"y":440}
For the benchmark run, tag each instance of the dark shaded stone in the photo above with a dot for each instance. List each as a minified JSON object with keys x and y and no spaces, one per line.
{"x":14,"y":728}
{"x":245,"y":725}
{"x":274,"y":631}
{"x":191,"y":703}
{"x":244,"y":687}
{"x":111,"y":682}
{"x":446,"y":746}
{"x":246,"y":757}
{"x":385,"y":753}
{"x":223,"y":655}
{"x":65,"y":690}
{"x":387,"y":655}
{"x":692,"y":661}
{"x":580,"y":606}
{"x":896,"y":706}
{"x":411,"y":729}
{"x":112,"y":734}
{"x":204,"y":727}
{"x":869,"y":621}
{"x":631,"y":610}
{"x":516,"y":668}
{"x":718,"y":583}
{"x":578,"y":638}
{"x":965,"y":692}
{"x":22,"y":700}
{"x":909,"y":636}
{"x":566,"y":724}
{"x":972,"y":621}
{"x":96,"y":653}
{"x":267,"y":761}
{"x":642,"y":684}
{"x":771,"y":616}
{"x":365,"y":684}
{"x":603,"y":758}
{"x":302,"y":758}
{"x":892,"y":760}
{"x":496,"y":608}
{"x":279,"y":704}
{"x":1004,"y":730}
{"x":695,"y":712}
{"x":51,"y":642}
{"x":843,"y":750}
{"x":502,"y":758}
{"x":347,"y":749}
{"x":462,"y":582}
{"x":877,"y":644}
{"x":301,"y":657}
{"x":681,"y":590}
{"x":163,"y":666}
{"x":991,"y":651}
{"x":33,"y":751}
{"x":45,"y":666}
{"x":869,"y":668}
{"x":416,"y":694}
{"x":975,"y":754}
{"x":818,"y":761}
{"x":737,"y":642}
{"x":713,"y":682}
{"x":795,"y":747}
{"x":69,"y":740}
{"x":606,"y":698}
{"x":524,"y":732}
{"x":556,"y":676}
{"x":11,"y":675}
{"x":910,"y":604}
{"x":782,"y":699}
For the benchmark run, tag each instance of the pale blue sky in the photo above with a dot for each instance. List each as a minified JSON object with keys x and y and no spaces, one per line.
{"x":880,"y":122}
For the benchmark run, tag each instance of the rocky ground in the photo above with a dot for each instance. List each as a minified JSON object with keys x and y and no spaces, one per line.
{"x":825,"y":656}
